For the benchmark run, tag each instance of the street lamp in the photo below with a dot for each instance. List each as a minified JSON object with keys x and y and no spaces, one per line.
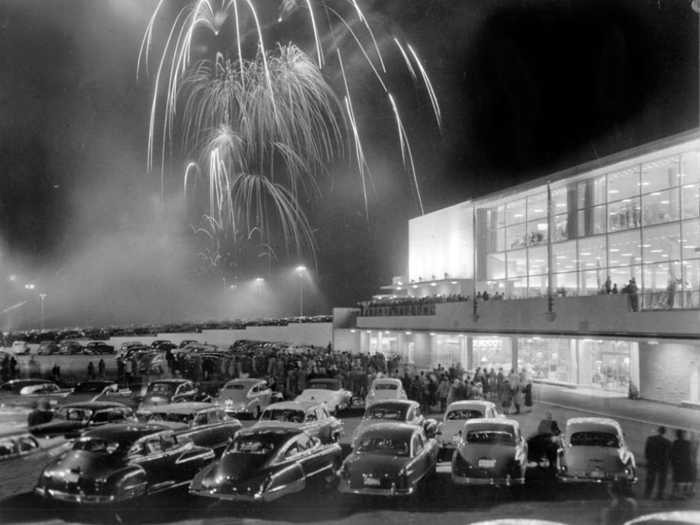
{"x":300,"y":272}
{"x":42,"y":296}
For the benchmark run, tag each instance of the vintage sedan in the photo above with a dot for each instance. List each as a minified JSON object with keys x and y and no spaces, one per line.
{"x":120,"y":462}
{"x":450,"y":428}
{"x":594,"y":450}
{"x":264,"y":464}
{"x":311,"y":416}
{"x":490,"y":452}
{"x":389,"y":459}
{"x":385,"y":389}
{"x":91,"y":390}
{"x":244,"y":396}
{"x":404,"y":411}
{"x":23,"y":457}
{"x":670,"y":517}
{"x":328,"y":391}
{"x":165,"y":392}
{"x":70,"y":420}
{"x":204,"y":424}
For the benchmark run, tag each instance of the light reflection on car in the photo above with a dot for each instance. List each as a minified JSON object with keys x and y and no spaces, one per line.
{"x":594,"y":450}
{"x":490,"y":452}
{"x":264,"y":464}
{"x":70,"y":420}
{"x":328,"y":391}
{"x":385,"y":389}
{"x":244,"y":396}
{"x":397,"y":411}
{"x":389,"y":459}
{"x":450,"y":428}
{"x":311,"y":416}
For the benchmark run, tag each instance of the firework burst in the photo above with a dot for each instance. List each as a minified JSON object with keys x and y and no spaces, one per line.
{"x":265,"y":121}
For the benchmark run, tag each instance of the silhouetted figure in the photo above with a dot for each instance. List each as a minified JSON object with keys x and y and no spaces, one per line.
{"x":657,"y":452}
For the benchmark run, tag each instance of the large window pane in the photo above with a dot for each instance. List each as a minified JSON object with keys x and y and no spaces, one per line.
{"x":624,"y":249}
{"x":660,"y":206}
{"x":497,"y":217}
{"x":661,"y":243}
{"x":592,"y":282}
{"x":564,"y":257}
{"x":516,"y":236}
{"x":592,"y":221}
{"x":566,"y":283}
{"x":592,"y":253}
{"x":624,"y":214}
{"x":515,"y":212}
{"x":661,"y":285}
{"x":516,"y":288}
{"x":660,"y":174}
{"x":623,"y":184}
{"x":690,"y":168}
{"x":591,"y":193}
{"x":517,"y":263}
{"x":690,"y":200}
{"x":537,"y":232}
{"x":560,"y":200}
{"x":691,"y":239}
{"x":537,"y":260}
{"x":561,"y":228}
{"x":620,"y":277}
{"x":496,"y":266}
{"x":538,"y":286}
{"x":537,"y":206}
{"x":691,"y":283}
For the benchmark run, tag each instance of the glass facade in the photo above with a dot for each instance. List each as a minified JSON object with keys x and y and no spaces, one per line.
{"x":641,"y":222}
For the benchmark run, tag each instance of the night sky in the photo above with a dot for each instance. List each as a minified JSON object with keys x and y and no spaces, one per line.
{"x":526,"y":87}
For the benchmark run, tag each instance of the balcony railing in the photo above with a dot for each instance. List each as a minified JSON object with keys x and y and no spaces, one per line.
{"x":398,"y":310}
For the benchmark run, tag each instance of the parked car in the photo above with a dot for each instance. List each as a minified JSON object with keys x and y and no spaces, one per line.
{"x":70,"y":348}
{"x":328,"y":391}
{"x":490,"y":452}
{"x":594,"y":450}
{"x":43,"y":389}
{"x":70,"y":420}
{"x":670,"y":517}
{"x":23,"y":457}
{"x":90,"y":390}
{"x":385,"y":389}
{"x":398,"y":411}
{"x":450,"y":428}
{"x":15,"y":386}
{"x":152,"y":363}
{"x":311,"y":416}
{"x":389,"y":459}
{"x":167,"y":391}
{"x":155,"y":344}
{"x":187,"y":342}
{"x":264,"y":464}
{"x":20,"y":347}
{"x":121,"y":462}
{"x":245,"y":396}
{"x":204,"y":424}
{"x":98,"y":347}
{"x":47,"y":348}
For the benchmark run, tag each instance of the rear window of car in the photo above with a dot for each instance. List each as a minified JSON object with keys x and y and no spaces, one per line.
{"x":258,"y":446}
{"x":325,"y":386}
{"x":386,"y":386}
{"x":393,"y":414}
{"x":385,"y":446}
{"x":160,"y":388}
{"x":595,"y":439}
{"x":490,"y":437}
{"x":464,"y":414}
{"x":290,"y":415}
{"x":98,"y":446}
{"x":234,"y":386}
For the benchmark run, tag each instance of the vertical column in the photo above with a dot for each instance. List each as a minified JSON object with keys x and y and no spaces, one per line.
{"x":469,"y":341}
{"x":573,"y":359}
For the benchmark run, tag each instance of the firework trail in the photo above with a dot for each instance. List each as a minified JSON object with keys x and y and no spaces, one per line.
{"x":262,"y":117}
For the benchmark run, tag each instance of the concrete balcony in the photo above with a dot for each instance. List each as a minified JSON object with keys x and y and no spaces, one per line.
{"x":596,"y":315}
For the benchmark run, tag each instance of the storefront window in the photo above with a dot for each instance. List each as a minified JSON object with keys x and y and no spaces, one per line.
{"x":496,"y":266}
{"x":660,"y":206}
{"x":592,"y":253}
{"x":662,"y":285}
{"x":691,"y":239}
{"x":560,"y":201}
{"x":624,"y":249}
{"x":537,"y":232}
{"x":691,"y":284}
{"x":690,"y":168}
{"x":661,"y":243}
{"x":566,"y":284}
{"x":592,"y":221}
{"x":624,"y":214}
{"x":547,"y":359}
{"x":660,"y":174}
{"x":516,"y":288}
{"x":515,"y":212}
{"x":623,"y":184}
{"x":592,"y":282}
{"x":690,"y":200}
{"x":537,"y":207}
{"x":537,"y":261}
{"x":605,"y":364}
{"x":564,"y":257}
{"x":516,"y":237}
{"x":561,"y":228}
{"x":621,"y":276}
{"x":517,"y":263}
{"x":490,"y":352}
{"x":538,"y":286}
{"x":591,"y":193}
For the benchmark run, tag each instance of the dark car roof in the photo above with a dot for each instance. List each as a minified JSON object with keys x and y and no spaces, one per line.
{"x":97,"y":384}
{"x":390,"y":430}
{"x":95,"y":405}
{"x":170,"y":381}
{"x":125,"y":432}
{"x":282,"y":431}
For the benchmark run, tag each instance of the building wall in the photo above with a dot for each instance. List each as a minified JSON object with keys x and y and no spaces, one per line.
{"x":666,"y":370}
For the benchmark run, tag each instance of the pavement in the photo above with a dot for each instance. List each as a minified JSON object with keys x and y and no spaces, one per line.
{"x":618,"y":406}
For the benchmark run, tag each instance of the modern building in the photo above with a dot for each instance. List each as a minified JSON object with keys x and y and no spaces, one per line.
{"x":547,"y":253}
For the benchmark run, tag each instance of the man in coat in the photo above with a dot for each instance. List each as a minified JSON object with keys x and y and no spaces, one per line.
{"x":658,"y":455}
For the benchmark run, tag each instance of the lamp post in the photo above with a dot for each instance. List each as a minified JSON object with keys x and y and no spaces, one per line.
{"x":42,"y":296}
{"x":300,"y":272}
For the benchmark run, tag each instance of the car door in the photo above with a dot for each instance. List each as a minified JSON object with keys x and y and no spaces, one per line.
{"x":264,"y":394}
{"x":311,"y":457}
{"x":158,"y":462}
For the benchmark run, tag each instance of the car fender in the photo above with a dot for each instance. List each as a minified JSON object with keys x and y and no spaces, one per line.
{"x":291,"y":478}
{"x":128,"y":483}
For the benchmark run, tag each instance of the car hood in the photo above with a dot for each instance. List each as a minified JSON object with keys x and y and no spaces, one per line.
{"x":86,"y":464}
{"x":378,"y":465}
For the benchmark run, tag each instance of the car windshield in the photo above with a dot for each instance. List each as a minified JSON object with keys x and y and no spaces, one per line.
{"x":393,"y":414}
{"x":160,"y":388}
{"x":283,"y":414}
{"x":329,"y":385}
{"x":87,"y":387}
{"x":464,"y":414}
{"x":81,"y":415}
{"x":595,"y":439}
{"x":381,"y":445}
{"x":98,"y":446}
{"x":386,"y":386}
{"x":252,"y":445}
{"x":491,"y":437}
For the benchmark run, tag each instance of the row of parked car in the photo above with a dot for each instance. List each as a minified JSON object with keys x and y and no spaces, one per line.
{"x":171,"y":438}
{"x":63,"y":348}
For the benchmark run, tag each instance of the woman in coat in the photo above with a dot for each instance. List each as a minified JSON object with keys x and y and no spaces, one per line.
{"x":681,"y":465}
{"x":505,"y":396}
